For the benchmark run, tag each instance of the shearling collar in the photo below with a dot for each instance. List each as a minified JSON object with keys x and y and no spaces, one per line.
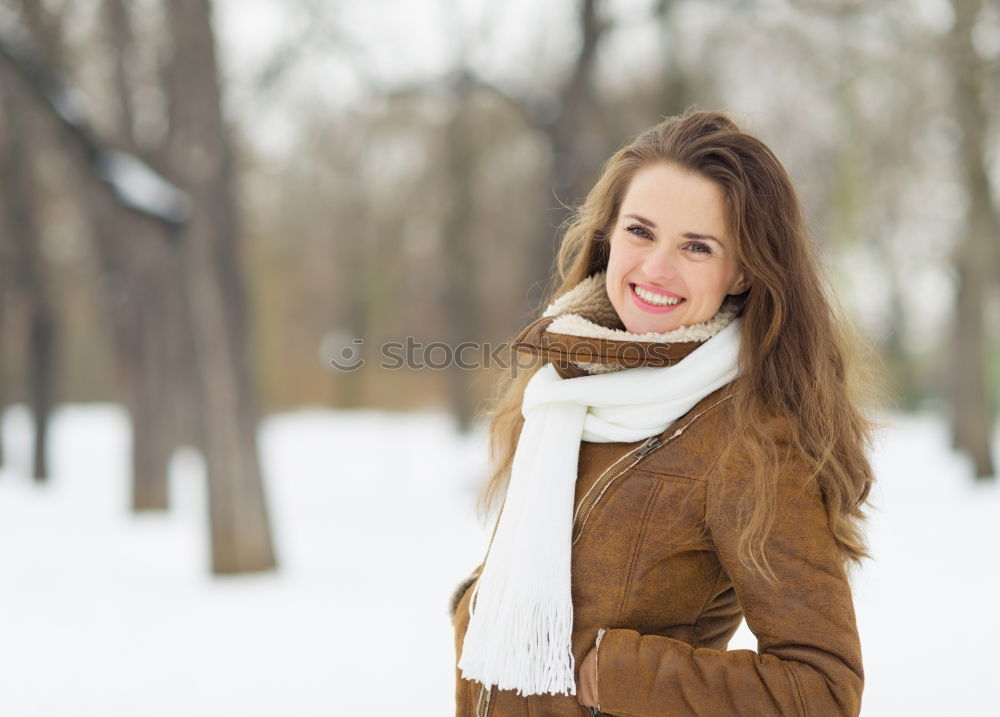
{"x":580,"y":333}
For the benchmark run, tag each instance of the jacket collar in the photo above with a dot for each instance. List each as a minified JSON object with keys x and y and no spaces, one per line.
{"x":580,"y":333}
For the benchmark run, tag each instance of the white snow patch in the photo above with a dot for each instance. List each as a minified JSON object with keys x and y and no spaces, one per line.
{"x":107,"y":613}
{"x":139,"y":186}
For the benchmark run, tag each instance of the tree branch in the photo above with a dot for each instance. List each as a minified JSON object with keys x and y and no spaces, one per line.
{"x":126,"y":175}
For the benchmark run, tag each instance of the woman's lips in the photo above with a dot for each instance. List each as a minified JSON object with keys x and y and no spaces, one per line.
{"x":653,"y":308}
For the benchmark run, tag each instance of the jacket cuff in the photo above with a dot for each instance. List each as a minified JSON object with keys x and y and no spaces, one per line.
{"x":619,"y":681}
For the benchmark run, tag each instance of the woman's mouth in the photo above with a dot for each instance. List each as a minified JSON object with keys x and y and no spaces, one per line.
{"x":653,"y":302}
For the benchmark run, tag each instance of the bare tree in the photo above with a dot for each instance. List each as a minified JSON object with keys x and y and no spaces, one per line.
{"x":132,"y":243}
{"x":148,"y":240}
{"x":572,"y":161}
{"x":4,"y":303}
{"x":458,"y":293}
{"x":560,"y":119}
{"x":149,"y":314}
{"x":19,"y":206}
{"x":976,"y":257}
{"x":201,"y":162}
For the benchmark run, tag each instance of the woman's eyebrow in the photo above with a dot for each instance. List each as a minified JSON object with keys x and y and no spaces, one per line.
{"x":642,"y":220}
{"x":692,"y":235}
{"x":687,"y":235}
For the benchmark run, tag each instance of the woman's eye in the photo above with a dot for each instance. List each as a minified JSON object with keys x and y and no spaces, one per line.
{"x":698,"y":247}
{"x":638,"y":230}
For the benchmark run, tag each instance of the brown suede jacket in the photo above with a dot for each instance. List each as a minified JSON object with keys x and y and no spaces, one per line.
{"x":655,"y":570}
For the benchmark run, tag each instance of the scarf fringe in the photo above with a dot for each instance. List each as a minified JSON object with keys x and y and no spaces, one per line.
{"x":537,"y":663}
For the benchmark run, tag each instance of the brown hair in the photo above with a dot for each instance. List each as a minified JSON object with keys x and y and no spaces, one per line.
{"x":798,"y":355}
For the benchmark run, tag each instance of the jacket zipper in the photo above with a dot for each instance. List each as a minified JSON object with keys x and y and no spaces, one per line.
{"x":614,"y":471}
{"x":483,"y":707}
{"x":605,"y":480}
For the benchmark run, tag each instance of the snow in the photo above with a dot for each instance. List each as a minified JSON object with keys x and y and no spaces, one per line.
{"x":139,"y":186}
{"x":108,"y":613}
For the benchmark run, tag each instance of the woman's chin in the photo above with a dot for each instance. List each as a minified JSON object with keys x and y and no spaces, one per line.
{"x":646,"y":327}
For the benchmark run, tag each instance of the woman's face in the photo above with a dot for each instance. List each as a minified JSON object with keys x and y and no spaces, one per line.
{"x":672,"y":261}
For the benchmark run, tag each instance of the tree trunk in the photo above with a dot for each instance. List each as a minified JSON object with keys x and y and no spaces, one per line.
{"x":201,"y":163}
{"x":972,"y":418}
{"x":152,"y":321}
{"x":458,"y":296}
{"x":137,"y":268}
{"x":678,"y":92}
{"x":4,"y":289}
{"x":570,"y":164}
{"x":19,"y":192}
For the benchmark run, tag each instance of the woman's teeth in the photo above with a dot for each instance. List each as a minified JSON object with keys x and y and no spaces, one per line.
{"x":657,"y":299}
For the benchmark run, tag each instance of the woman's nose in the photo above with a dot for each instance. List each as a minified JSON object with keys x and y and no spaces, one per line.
{"x":660,"y":263}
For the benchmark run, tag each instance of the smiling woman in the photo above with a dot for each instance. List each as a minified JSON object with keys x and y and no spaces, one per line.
{"x":691,"y":454}
{"x":661,"y":274}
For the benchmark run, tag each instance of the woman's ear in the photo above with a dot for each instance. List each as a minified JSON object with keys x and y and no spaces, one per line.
{"x":740,"y":284}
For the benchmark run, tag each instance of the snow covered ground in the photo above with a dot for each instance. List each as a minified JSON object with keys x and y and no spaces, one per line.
{"x":106,"y":613}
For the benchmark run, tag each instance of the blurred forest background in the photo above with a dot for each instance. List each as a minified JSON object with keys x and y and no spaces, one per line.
{"x":202,"y":205}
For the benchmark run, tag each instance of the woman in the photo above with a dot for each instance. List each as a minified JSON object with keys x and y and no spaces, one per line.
{"x":690,"y":453}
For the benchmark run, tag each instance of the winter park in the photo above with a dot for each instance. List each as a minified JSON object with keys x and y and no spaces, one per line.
{"x":587,"y":357}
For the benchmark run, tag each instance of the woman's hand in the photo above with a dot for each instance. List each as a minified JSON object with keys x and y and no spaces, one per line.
{"x":586,"y":684}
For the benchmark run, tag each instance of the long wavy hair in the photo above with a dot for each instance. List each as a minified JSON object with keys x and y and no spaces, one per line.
{"x":799,"y":356}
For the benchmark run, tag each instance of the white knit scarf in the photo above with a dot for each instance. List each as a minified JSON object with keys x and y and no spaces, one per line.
{"x":521,"y":610}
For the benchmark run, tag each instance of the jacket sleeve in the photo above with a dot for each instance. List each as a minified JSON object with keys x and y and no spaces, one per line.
{"x":808,"y":658}
{"x":460,"y":590}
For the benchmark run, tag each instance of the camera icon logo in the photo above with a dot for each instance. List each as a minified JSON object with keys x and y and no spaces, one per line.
{"x":342,"y":351}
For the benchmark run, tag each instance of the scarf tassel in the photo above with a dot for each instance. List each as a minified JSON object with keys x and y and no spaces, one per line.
{"x":538,"y":661}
